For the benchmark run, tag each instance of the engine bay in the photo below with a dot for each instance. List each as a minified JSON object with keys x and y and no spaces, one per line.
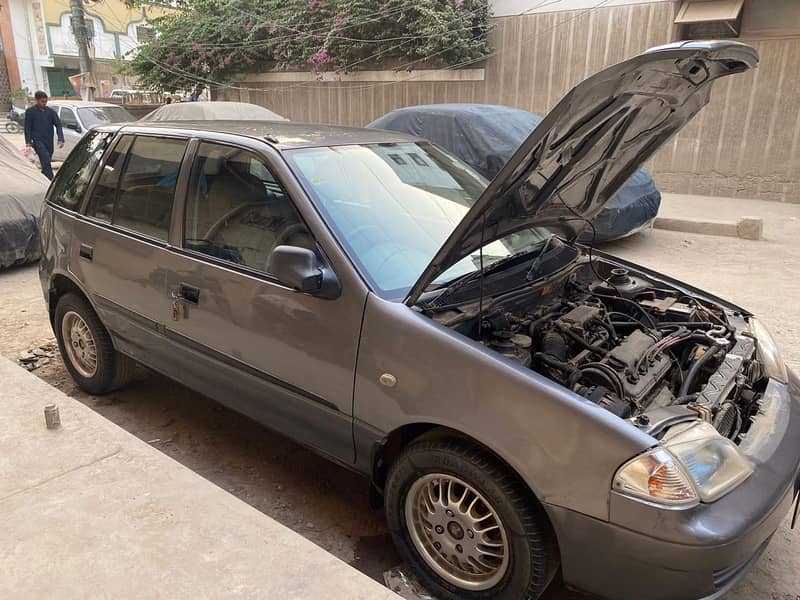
{"x":645,"y":351}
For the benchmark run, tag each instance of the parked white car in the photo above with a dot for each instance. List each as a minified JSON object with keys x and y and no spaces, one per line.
{"x":79,"y":116}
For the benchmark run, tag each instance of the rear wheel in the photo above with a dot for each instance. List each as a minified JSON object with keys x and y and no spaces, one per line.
{"x":465,"y":525}
{"x":86,"y":348}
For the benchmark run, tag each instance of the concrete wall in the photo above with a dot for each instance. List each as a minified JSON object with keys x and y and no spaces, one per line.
{"x":746,"y":143}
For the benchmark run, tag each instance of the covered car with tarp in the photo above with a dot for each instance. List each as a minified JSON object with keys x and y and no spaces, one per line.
{"x":21,"y":198}
{"x":211,"y":111}
{"x":485,"y":136}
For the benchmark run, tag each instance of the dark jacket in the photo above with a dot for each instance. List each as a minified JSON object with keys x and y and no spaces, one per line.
{"x":39,"y":126}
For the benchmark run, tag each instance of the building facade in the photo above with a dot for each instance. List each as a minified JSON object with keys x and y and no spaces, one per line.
{"x":40,"y":49}
{"x":745,"y":143}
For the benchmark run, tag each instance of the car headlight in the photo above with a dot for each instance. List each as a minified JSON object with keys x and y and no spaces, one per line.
{"x":693,"y":463}
{"x":769,"y":358}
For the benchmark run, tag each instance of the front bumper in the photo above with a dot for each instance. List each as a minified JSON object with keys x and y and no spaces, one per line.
{"x":650,"y":552}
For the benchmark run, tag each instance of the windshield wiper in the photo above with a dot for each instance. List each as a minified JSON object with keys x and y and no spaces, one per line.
{"x":463,"y":280}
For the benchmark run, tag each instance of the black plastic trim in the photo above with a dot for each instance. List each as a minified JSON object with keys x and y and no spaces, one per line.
{"x":230,"y":361}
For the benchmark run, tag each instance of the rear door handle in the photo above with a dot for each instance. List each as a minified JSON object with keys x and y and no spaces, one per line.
{"x":86,"y":252}
{"x":187,"y":293}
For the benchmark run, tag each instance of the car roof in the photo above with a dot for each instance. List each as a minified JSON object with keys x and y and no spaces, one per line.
{"x":284,"y":135}
{"x":80,"y":103}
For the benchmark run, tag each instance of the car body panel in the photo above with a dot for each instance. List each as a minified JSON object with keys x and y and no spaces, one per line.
{"x":539,"y":428}
{"x":698,"y":552}
{"x":588,"y":146}
{"x":221,"y":338}
{"x":299,"y":346}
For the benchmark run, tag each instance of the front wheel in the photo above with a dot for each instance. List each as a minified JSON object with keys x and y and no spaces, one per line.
{"x":465,"y":524}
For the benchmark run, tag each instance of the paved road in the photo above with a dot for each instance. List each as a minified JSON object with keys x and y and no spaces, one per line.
{"x":327,"y":504}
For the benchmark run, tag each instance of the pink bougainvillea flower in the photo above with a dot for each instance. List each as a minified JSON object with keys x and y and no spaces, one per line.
{"x":196,"y":47}
{"x":321,"y":57}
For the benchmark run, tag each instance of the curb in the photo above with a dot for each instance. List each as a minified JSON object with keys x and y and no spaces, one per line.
{"x":748,"y":228}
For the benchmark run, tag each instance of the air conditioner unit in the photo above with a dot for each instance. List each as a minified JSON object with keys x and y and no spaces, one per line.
{"x":710,"y":18}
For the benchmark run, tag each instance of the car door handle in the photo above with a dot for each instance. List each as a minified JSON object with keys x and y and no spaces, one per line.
{"x":86,"y":252}
{"x":187,"y":293}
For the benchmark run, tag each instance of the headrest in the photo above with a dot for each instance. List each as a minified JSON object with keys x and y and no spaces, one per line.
{"x":213,"y":165}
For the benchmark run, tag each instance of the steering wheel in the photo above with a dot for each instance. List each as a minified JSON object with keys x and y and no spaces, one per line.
{"x":214,"y":229}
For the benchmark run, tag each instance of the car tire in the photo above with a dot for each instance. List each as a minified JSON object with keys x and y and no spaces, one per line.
{"x":86,"y":348}
{"x":418,"y":519}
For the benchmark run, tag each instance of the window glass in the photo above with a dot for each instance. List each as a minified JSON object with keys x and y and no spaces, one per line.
{"x":147,"y":188}
{"x":103,"y":115}
{"x":104,"y":195}
{"x":73,"y":177}
{"x":68,"y":118}
{"x":393,"y":205}
{"x":236,"y":209}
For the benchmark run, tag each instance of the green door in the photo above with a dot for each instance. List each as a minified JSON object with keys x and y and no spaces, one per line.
{"x":59,"y":82}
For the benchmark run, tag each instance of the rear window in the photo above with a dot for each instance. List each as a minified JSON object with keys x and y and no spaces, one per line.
{"x":74,"y":175}
{"x":136,"y":189}
{"x":147,"y":186}
{"x":103,"y":115}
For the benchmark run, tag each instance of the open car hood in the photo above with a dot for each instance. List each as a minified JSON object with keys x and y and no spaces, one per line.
{"x":588,"y":146}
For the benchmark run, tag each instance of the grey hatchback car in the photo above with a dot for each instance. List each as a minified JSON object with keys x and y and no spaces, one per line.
{"x":521,"y":403}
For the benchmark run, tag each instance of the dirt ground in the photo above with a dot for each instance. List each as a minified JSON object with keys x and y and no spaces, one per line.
{"x":328,"y":504}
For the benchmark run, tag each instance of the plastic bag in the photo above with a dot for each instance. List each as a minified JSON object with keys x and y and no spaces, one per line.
{"x":405,"y":585}
{"x":30,"y":155}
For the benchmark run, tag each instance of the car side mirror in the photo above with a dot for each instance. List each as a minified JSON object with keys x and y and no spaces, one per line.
{"x":74,"y":126}
{"x":300,"y":269}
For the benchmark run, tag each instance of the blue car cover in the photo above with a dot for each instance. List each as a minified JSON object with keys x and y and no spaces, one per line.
{"x":486,"y":136}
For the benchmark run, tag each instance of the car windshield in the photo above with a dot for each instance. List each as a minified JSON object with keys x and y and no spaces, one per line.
{"x":393,"y":205}
{"x":102,"y":115}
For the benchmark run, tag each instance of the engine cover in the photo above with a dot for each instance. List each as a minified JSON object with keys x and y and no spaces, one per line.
{"x":623,"y":359}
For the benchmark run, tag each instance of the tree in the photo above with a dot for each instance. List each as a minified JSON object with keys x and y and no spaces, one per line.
{"x":210,"y":41}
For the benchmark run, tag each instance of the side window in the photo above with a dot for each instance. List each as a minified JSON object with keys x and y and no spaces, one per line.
{"x":237,"y":211}
{"x":147,"y":186}
{"x":74,"y":175}
{"x":68,"y":118}
{"x":104,"y":195}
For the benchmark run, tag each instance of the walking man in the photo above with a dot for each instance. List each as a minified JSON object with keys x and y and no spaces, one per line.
{"x":39,"y":122}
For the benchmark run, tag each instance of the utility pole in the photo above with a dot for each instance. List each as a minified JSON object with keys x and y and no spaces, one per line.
{"x":81,"y":33}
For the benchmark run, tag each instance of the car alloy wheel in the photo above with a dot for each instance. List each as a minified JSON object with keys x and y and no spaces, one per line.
{"x":457,"y":532}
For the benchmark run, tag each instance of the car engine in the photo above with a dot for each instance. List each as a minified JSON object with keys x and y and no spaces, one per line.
{"x":641,"y":350}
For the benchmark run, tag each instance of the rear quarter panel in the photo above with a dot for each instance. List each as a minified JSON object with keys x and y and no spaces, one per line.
{"x":565,"y":448}
{"x":56,"y":236}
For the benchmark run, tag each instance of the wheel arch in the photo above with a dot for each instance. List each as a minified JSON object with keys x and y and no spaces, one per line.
{"x":61,"y":284}
{"x":389,"y":448}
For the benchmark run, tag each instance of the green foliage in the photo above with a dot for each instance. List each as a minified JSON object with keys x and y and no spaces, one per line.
{"x":211,"y":40}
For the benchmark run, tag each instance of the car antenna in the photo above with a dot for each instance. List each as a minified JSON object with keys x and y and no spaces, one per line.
{"x":480,"y":283}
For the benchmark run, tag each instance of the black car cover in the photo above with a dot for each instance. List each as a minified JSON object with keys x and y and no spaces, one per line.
{"x":21,"y":197}
{"x":486,"y":136}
